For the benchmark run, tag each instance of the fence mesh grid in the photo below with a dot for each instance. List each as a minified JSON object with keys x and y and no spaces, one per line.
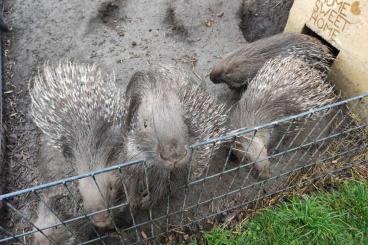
{"x":305,"y":148}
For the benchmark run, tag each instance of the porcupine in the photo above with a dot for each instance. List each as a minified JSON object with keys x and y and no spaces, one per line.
{"x":284,"y":86}
{"x":168,"y":112}
{"x":77,"y":230}
{"x":237,"y":68}
{"x":59,"y":206}
{"x":80,"y":113}
{"x":61,"y":203}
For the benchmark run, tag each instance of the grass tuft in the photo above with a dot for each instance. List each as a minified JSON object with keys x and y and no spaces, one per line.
{"x":338,"y":217}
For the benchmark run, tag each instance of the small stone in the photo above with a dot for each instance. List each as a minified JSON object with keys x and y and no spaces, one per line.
{"x":144,"y":235}
{"x":134,"y":43}
{"x":220,"y":14}
{"x":209,"y":23}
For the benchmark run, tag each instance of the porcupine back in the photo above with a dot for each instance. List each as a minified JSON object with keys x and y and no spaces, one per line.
{"x":237,"y":68}
{"x":62,"y":110}
{"x":284,"y":86}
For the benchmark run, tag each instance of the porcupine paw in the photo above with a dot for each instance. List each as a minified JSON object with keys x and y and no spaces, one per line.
{"x":263,"y":170}
{"x":134,"y":203}
{"x":146,"y":200}
{"x":141,"y":200}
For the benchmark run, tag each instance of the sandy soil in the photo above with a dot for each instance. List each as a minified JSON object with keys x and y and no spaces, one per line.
{"x":121,"y":36}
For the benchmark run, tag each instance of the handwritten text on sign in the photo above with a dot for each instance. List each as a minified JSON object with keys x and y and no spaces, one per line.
{"x":330,"y":17}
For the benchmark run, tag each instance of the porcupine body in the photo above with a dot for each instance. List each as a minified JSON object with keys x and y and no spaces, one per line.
{"x":59,"y":204}
{"x":238,"y":68}
{"x":168,"y":112}
{"x":80,"y":113}
{"x":284,"y":86}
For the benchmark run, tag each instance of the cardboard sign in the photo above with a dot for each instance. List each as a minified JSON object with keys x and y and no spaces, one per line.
{"x":344,"y":25}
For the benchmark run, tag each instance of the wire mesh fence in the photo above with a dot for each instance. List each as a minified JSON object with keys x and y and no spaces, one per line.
{"x":304,"y":148}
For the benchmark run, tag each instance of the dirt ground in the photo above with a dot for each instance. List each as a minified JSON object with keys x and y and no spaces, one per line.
{"x":121,"y":36}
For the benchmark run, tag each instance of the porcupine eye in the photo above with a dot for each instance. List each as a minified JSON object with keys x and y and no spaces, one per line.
{"x":67,"y":151}
{"x":110,"y":187}
{"x":113,"y":155}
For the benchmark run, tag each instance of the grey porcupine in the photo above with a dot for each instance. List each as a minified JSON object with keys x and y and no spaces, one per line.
{"x":53,"y":166}
{"x":284,"y":86}
{"x":80,"y":111}
{"x":57,"y":207}
{"x":168,"y":112}
{"x":237,"y":68}
{"x":62,"y":204}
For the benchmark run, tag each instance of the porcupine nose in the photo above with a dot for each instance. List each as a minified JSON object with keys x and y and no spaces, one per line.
{"x":101,"y":219}
{"x":41,"y":240}
{"x":172,"y":153}
{"x":216,"y":75}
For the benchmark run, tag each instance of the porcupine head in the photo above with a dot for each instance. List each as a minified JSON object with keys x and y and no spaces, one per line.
{"x":167,"y":115}
{"x":157,"y":124}
{"x":168,"y":112}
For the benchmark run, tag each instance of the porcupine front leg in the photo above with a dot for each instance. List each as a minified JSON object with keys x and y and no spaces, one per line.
{"x":256,"y":152}
{"x":136,"y":191}
{"x":141,"y":197}
{"x":156,"y":193}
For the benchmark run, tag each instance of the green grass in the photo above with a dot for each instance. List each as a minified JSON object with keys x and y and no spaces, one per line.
{"x":338,"y":217}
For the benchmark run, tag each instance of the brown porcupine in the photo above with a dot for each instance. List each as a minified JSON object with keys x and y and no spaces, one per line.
{"x":168,"y":112}
{"x":284,"y":86}
{"x":237,"y":68}
{"x":80,"y":112}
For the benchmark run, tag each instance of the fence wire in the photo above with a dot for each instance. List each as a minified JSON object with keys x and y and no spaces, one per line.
{"x":304,"y":148}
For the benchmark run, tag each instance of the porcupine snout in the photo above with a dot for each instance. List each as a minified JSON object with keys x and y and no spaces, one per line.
{"x":216,"y":74}
{"x":173,"y":153}
{"x":170,"y":131}
{"x":99,"y":194}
